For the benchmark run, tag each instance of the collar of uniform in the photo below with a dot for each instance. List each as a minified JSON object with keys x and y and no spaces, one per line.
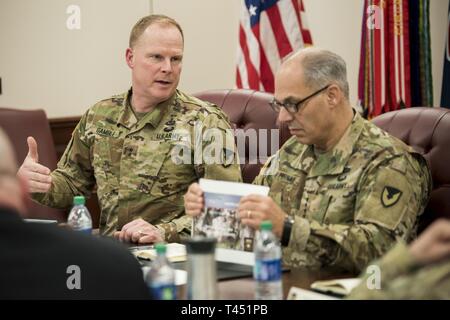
{"x":154,"y":117}
{"x":334,"y":161}
{"x":305,"y":160}
{"x":128,"y":119}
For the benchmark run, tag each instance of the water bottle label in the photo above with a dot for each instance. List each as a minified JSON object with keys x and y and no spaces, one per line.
{"x":267,"y":270}
{"x":163,"y":292}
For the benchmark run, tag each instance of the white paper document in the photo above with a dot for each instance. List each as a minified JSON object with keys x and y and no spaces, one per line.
{"x":220,"y":219}
{"x":235,"y":256}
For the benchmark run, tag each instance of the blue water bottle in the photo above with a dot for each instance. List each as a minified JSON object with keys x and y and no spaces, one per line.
{"x":161,"y":277}
{"x":267,"y":269}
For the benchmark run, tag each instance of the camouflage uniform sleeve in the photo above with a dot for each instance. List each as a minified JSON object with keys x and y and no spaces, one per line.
{"x":390,"y":196}
{"x":220,"y":159}
{"x":402,"y":278}
{"x":220,"y":162}
{"x":74,"y":174}
{"x":176,"y":230}
{"x":267,"y":172}
{"x":397,"y":262}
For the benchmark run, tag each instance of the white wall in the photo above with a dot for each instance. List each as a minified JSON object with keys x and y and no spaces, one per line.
{"x":210,"y":41}
{"x":44,"y":65}
{"x":336,"y":26}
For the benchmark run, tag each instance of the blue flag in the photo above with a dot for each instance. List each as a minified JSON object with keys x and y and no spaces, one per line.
{"x":445,"y":98}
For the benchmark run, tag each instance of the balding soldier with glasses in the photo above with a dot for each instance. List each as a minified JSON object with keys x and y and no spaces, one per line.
{"x":342,"y":191}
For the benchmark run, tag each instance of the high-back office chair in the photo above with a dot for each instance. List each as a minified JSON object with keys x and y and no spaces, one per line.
{"x":18,"y":125}
{"x":250,"y":113}
{"x":427,"y":130}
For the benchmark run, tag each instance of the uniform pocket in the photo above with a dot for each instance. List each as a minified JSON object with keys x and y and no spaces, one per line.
{"x":287,"y":190}
{"x":341,"y":204}
{"x":105,"y":177}
{"x":318,"y":207}
{"x":149,"y":161}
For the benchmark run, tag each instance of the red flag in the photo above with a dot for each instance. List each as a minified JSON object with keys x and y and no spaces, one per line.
{"x":384,"y":73}
{"x":400,"y":86}
{"x":268,"y":31}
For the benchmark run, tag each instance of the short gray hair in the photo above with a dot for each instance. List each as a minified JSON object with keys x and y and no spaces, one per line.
{"x":146,"y":21}
{"x":322,"y":67}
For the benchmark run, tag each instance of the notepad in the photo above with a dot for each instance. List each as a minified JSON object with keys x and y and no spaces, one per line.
{"x":340,"y":287}
{"x":176,"y":252}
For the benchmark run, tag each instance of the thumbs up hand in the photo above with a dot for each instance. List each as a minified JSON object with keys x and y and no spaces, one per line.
{"x":32,"y":149}
{"x":37,"y":175}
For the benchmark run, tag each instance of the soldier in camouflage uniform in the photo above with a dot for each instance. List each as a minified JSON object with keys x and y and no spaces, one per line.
{"x":420,"y":271}
{"x":141,"y":148}
{"x":342,"y":191}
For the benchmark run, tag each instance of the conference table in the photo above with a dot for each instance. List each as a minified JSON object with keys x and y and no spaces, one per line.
{"x":243,"y":288}
{"x":235,"y":282}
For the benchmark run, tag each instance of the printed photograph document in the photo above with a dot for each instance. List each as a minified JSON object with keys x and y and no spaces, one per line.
{"x":220,"y":219}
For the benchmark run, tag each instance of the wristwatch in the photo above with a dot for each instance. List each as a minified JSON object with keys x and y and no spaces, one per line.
{"x":287,"y":230}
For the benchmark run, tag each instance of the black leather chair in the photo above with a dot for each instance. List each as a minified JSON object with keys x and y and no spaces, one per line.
{"x":253,"y":120}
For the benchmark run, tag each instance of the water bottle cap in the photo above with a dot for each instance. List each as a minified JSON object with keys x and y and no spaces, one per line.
{"x":78,"y":200}
{"x":160,"y":248}
{"x":266,"y":225}
{"x":200,"y":245}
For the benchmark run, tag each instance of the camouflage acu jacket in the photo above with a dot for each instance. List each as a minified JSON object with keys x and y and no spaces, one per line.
{"x":402,"y":278}
{"x":142,"y":168}
{"x":351,"y":204}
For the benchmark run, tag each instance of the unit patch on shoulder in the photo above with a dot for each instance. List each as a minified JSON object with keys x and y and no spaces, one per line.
{"x":390,"y":196}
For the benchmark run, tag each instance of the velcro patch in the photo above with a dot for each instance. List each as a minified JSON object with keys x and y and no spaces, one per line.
{"x":390,"y":196}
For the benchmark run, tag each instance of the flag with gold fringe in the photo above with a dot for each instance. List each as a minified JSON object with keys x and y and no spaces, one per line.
{"x":395,"y":59}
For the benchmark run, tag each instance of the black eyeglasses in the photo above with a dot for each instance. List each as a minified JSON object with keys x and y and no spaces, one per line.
{"x":293,"y":107}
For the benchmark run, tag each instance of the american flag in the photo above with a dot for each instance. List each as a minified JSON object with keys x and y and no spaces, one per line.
{"x":268,"y":31}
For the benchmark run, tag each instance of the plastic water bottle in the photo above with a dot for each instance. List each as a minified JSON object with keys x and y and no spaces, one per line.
{"x":267,"y":269}
{"x":79,"y":218}
{"x":161,"y":276}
